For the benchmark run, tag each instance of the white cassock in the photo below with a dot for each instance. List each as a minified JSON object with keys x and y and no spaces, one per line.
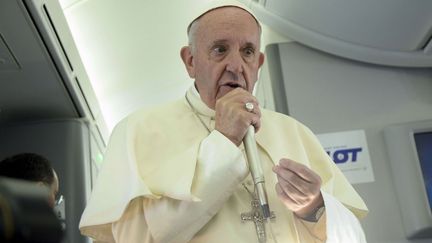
{"x":167,"y":179}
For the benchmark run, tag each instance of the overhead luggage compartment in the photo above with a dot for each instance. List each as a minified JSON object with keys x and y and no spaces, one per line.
{"x":41,"y":73}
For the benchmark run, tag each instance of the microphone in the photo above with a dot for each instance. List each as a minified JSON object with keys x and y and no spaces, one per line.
{"x":256,"y":170}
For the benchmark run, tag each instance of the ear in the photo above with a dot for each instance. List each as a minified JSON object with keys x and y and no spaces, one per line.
{"x":187,"y":57}
{"x":261,"y":59}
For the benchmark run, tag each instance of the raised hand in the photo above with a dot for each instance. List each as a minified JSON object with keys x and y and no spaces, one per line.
{"x":232,"y":118}
{"x":298,"y":187}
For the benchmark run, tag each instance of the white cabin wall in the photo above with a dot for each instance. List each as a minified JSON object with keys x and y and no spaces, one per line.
{"x":263,"y":88}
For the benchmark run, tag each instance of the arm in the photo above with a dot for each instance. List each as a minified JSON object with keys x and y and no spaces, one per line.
{"x":337,"y":224}
{"x":298,"y":188}
{"x":220,"y":168}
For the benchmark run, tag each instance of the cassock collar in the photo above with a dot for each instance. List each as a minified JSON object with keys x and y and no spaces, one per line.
{"x":197,"y":103}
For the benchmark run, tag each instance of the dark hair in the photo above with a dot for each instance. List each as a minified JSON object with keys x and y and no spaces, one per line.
{"x":28,"y":166}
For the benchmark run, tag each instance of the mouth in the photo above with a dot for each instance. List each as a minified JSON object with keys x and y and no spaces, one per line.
{"x":233,"y":85}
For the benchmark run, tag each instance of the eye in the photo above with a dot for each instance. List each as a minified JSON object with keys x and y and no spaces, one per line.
{"x":249,"y":52}
{"x":219,"y":50}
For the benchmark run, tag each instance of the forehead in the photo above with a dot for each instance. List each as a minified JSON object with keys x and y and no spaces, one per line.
{"x":228,"y":23}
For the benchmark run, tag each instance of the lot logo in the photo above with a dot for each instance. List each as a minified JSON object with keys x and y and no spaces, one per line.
{"x":349,"y":152}
{"x":340,"y":156}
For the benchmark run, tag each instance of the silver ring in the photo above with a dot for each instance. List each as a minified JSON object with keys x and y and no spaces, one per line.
{"x":249,"y":106}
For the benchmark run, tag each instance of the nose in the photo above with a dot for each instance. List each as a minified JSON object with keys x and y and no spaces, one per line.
{"x":234,"y":63}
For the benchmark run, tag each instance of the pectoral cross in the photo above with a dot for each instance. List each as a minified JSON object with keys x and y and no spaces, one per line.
{"x":257,"y":217}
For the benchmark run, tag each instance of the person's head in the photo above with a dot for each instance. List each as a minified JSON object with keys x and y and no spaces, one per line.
{"x":223,"y":52}
{"x":32,"y":167}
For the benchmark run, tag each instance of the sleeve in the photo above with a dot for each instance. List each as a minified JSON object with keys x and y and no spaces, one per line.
{"x":334,"y":182}
{"x":342,"y":225}
{"x":336,"y":225}
{"x":119,"y":172}
{"x":310,"y":231}
{"x":220,"y":168}
{"x":343,"y":204}
{"x":132,"y":226}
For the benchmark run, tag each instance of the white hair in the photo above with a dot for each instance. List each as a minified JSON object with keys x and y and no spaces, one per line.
{"x":192,"y":33}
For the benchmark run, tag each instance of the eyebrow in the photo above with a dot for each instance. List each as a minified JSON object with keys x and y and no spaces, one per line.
{"x":250,"y":44}
{"x":219,"y":42}
{"x":224,"y":41}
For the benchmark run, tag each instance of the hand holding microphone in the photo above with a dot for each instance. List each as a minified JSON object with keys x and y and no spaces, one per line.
{"x":232,"y":118}
{"x":235,"y":112}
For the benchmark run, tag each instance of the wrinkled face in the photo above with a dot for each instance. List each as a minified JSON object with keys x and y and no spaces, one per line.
{"x":226,"y":53}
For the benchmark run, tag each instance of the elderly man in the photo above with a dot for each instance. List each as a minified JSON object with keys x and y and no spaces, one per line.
{"x":177,"y":173}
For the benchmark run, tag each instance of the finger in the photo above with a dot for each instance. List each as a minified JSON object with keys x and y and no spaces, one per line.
{"x":301,"y":170}
{"x":255,"y":121}
{"x":241,"y":96}
{"x":291,"y":204}
{"x":294,"y":193}
{"x":257,"y":125}
{"x":246,"y":96}
{"x":296,"y":181}
{"x":236,"y":96}
{"x":256,"y":110}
